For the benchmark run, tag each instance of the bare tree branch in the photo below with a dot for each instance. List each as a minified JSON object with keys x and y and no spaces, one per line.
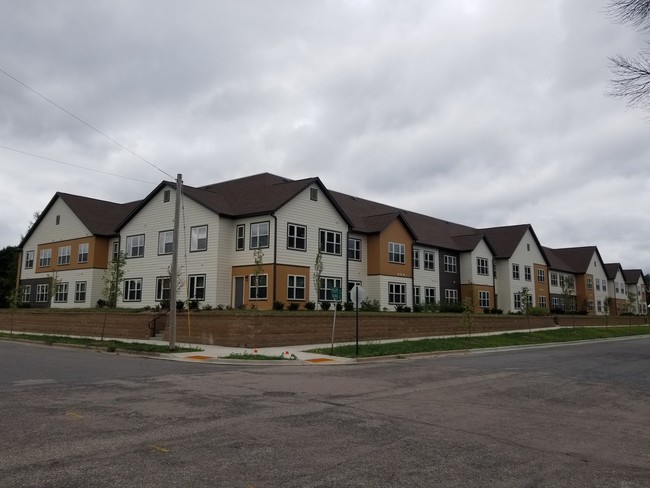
{"x":631,"y":79}
{"x":635,"y":12}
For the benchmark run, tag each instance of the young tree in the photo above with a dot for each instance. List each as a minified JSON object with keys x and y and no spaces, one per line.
{"x":524,"y":305}
{"x":54,"y":283}
{"x":318,"y":272}
{"x":113,"y":278}
{"x":632,"y":74}
{"x":258,"y":256}
{"x":468,"y":314}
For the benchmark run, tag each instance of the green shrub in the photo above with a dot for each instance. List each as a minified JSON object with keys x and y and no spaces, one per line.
{"x":538,"y":311}
{"x":310,"y":306}
{"x":277,"y":305}
{"x":325,"y":305}
{"x":451,"y":308}
{"x":370,"y":305}
{"x":293,"y":306}
{"x":348,"y":306}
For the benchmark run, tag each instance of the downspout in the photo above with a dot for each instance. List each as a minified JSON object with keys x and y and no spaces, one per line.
{"x":347,"y":270}
{"x":275,"y":257}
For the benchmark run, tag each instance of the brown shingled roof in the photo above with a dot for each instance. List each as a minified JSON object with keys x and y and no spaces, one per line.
{"x":572,"y":259}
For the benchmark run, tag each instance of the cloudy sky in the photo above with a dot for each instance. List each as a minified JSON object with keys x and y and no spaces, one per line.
{"x":481,"y":112}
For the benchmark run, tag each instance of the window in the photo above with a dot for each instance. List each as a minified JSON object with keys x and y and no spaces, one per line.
{"x":396,"y":293}
{"x":166,"y":196}
{"x":197,"y":287}
{"x":82,"y":257}
{"x":450,"y":263}
{"x":354,"y":249}
{"x":259,"y":235}
{"x":590,"y":305}
{"x":199,"y":238}
{"x":42,"y":292}
{"x":517,"y":300}
{"x":555,"y":303}
{"x":163,"y":288}
{"x":416,"y":258}
{"x":46,"y":258}
{"x":297,"y":237}
{"x":515,"y":271}
{"x":599,"y":306}
{"x":58,"y":220}
{"x":528,"y":247}
{"x":484,"y":299}
{"x":64,"y":255}
{"x":541,"y":301}
{"x":396,"y":252}
{"x":590,"y":283}
{"x":326,"y":285}
{"x":61,"y":293}
{"x":541,"y":276}
{"x":165,"y":242}
{"x":554,"y":281}
{"x":482,"y":266}
{"x":296,"y":288}
{"x":429,"y":295}
{"x":135,"y":246}
{"x":80,"y":292}
{"x":416,"y":295}
{"x":598,"y":284}
{"x":604,"y":285}
{"x":133,"y":290}
{"x":451,"y":296}
{"x":27,"y":293}
{"x":241,"y":237}
{"x":527,"y":273}
{"x":259,"y":287}
{"x":330,"y":242}
{"x":313,"y":194}
{"x":116,"y":250}
{"x":29,"y":259}
{"x":429,"y":260}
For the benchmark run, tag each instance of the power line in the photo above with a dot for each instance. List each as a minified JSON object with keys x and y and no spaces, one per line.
{"x":83,"y":122}
{"x":74,"y":165}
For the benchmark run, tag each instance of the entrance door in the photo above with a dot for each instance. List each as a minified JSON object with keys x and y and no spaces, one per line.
{"x":239,"y":291}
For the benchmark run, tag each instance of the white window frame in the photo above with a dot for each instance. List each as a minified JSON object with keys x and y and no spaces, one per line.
{"x":482,"y":266}
{"x":163,"y":288}
{"x":240,"y":237}
{"x":451,"y":264}
{"x":396,"y":253}
{"x":196,"y":284}
{"x":429,"y":295}
{"x":451,"y":295}
{"x":61,"y":293}
{"x":132,"y":290}
{"x":429,"y":259}
{"x":417,"y":297}
{"x":296,"y":287}
{"x":27,"y":293}
{"x":541,"y":276}
{"x":528,"y":273}
{"x":258,"y":284}
{"x":63,"y":255}
{"x":554,"y":280}
{"x":354,"y":249}
{"x":325,"y":288}
{"x":397,"y":293}
{"x":416,"y":259}
{"x":541,"y":301}
{"x":199,"y":238}
{"x":82,"y":255}
{"x":329,"y":242}
{"x":42,"y":293}
{"x":295,"y":241}
{"x":80,"y":290}
{"x":515,"y":272}
{"x":517,"y":300}
{"x":484,"y":299}
{"x":45,"y":258}
{"x":165,"y":242}
{"x":29,"y":259}
{"x":260,"y":235}
{"x":135,"y":246}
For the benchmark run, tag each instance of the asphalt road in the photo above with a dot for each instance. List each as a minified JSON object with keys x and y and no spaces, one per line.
{"x":571,"y":415}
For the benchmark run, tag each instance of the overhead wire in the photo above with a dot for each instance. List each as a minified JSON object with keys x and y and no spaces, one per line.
{"x":83,"y":121}
{"x":74,"y":165}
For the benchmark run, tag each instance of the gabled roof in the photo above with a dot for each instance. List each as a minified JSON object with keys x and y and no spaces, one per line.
{"x":632,"y":276}
{"x":575,"y":260}
{"x":504,"y":240}
{"x":259,"y":194}
{"x":611,"y":269}
{"x":100,"y":217}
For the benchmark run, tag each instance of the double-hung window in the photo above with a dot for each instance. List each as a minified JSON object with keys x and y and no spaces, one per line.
{"x":133,"y":290}
{"x":354,"y":249}
{"x":240,"y":239}
{"x":482,"y":266}
{"x":416,"y":258}
{"x":325,"y":289}
{"x":450,"y":263}
{"x":29,"y":259}
{"x":42,"y":292}
{"x":27,"y":293}
{"x":166,"y":242}
{"x":396,"y":293}
{"x":82,"y":256}
{"x":429,"y":295}
{"x":527,"y":273}
{"x":451,"y":295}
{"x":296,"y":237}
{"x":80,"y":292}
{"x":259,"y":235}
{"x":515,"y":271}
{"x":330,"y":242}
{"x":61,"y":293}
{"x":45,"y":258}
{"x":517,"y":301}
{"x":430,"y":260}
{"x":64,"y":255}
{"x":554,"y":281}
{"x":396,"y":252}
{"x":296,"y":287}
{"x":484,"y":299}
{"x":541,"y":276}
{"x":163,"y":288}
{"x":199,"y":238}
{"x":135,"y":246}
{"x":197,"y":287}
{"x":259,"y":287}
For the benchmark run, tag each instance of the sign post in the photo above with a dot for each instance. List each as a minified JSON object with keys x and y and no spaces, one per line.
{"x":336,"y":296}
{"x":357,"y":295}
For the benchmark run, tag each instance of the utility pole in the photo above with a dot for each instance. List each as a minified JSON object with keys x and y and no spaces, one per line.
{"x":174,"y":267}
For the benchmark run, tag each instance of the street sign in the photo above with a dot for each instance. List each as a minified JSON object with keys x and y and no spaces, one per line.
{"x":336,"y":294}
{"x":357,"y":295}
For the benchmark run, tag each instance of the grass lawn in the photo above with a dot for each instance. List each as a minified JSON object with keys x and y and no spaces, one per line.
{"x":109,"y":345}
{"x":507,"y":339}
